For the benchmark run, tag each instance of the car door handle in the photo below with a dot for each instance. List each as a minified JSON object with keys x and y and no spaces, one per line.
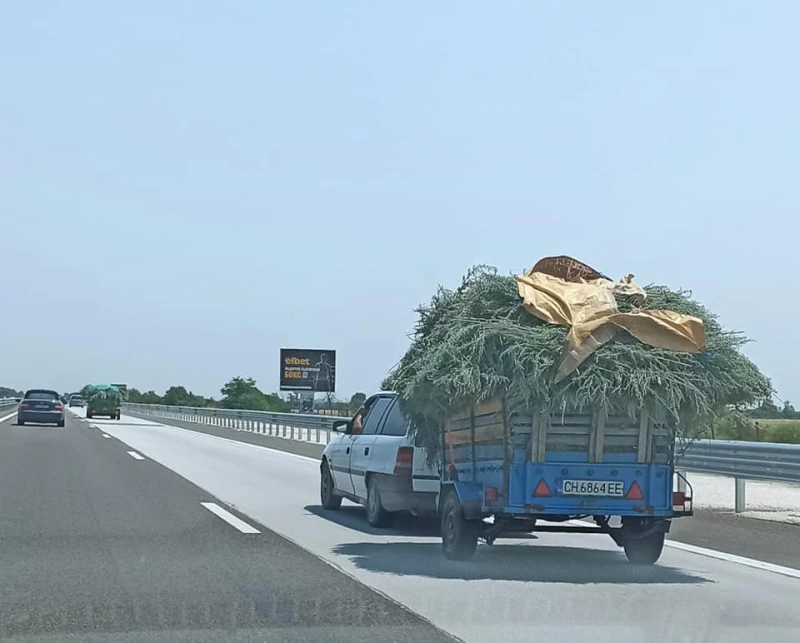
{"x":347,"y":450}
{"x":366,"y":450}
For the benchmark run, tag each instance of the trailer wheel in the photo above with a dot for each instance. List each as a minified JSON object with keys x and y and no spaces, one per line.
{"x":645,"y":551}
{"x":459,"y":536}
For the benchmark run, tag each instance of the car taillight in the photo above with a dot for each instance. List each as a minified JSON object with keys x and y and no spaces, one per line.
{"x":404,"y":461}
{"x":24,"y":405}
{"x":681,"y":501}
{"x":59,"y":407}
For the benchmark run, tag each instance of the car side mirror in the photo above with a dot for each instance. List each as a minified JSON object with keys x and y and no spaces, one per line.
{"x":341,"y":426}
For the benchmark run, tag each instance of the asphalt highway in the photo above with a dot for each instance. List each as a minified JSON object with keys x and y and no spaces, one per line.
{"x":100,"y":542}
{"x":554,"y":587}
{"x":772,"y":542}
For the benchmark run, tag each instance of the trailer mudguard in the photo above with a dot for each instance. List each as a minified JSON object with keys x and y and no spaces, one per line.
{"x":470,"y":495}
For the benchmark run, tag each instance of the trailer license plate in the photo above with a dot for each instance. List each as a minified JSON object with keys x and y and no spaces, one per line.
{"x":593,"y":488}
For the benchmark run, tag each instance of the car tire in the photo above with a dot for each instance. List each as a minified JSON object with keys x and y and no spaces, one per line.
{"x":61,"y":424}
{"x":377,"y":516}
{"x":327,"y":491}
{"x":20,"y":422}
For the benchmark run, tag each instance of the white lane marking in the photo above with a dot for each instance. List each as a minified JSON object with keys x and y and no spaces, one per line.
{"x":718,"y":555}
{"x":5,"y":417}
{"x":228,"y":517}
{"x":106,"y":435}
{"x":135,"y":455}
{"x":732,"y":558}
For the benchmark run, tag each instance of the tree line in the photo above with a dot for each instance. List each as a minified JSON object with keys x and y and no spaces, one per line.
{"x":241,"y":393}
{"x":770,"y":411}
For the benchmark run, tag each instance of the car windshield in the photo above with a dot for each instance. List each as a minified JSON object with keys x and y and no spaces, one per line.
{"x":452,"y":428}
{"x":41,"y":395}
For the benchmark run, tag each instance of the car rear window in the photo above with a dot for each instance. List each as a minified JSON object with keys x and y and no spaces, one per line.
{"x":41,"y":395}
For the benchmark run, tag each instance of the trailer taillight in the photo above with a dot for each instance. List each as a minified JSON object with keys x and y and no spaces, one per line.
{"x":490,"y":494}
{"x":404,"y":461}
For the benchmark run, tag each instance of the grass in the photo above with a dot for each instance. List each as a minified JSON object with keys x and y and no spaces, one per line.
{"x":785,"y":431}
{"x":737,"y":427}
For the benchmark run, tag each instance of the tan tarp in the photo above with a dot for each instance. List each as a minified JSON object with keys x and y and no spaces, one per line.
{"x":588,"y":306}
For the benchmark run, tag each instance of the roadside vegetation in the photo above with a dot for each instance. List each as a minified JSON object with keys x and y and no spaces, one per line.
{"x":766,"y":423}
{"x":243,"y":393}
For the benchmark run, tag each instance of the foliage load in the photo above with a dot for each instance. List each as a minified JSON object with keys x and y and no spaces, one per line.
{"x":93,"y":392}
{"x":478,"y":342}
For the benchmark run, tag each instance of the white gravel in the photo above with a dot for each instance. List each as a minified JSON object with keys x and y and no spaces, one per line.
{"x":764,"y":500}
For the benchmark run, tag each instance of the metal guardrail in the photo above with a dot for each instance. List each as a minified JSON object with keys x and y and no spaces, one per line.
{"x":295,"y":426}
{"x":740,"y":460}
{"x":743,"y":461}
{"x":748,"y":460}
{"x":5,"y":403}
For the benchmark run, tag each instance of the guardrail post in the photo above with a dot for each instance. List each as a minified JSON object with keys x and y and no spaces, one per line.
{"x":740,"y":496}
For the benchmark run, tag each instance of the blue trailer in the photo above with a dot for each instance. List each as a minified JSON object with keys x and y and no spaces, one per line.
{"x":524,"y":467}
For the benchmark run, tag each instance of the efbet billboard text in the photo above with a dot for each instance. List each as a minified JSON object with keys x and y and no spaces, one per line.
{"x":308,"y":370}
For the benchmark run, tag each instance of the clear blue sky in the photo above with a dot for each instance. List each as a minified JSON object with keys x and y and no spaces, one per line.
{"x":185,"y":187}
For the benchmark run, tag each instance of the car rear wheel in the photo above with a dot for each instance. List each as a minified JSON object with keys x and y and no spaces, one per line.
{"x":20,"y":422}
{"x":327,"y":493}
{"x":62,"y":423}
{"x":377,"y":516}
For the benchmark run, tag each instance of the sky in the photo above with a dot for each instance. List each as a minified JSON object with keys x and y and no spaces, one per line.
{"x":187,"y":187}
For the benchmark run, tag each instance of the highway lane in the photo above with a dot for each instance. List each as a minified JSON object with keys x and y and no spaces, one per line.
{"x":100,"y":543}
{"x":772,"y":542}
{"x":558,"y":586}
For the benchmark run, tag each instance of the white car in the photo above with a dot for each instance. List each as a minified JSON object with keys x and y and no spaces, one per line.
{"x":380,"y":466}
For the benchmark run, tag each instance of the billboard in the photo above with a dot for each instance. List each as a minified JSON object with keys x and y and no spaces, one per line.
{"x":308,"y":370}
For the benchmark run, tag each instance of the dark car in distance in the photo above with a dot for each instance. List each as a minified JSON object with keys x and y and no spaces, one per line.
{"x":41,"y":406}
{"x":76,"y":400}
